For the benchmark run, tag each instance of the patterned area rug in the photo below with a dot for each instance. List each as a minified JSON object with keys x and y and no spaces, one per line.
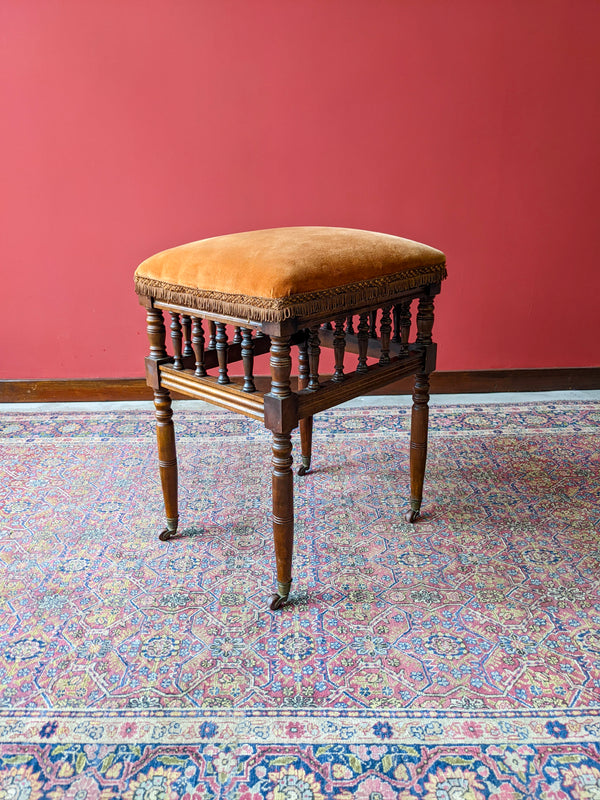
{"x":455,"y":658}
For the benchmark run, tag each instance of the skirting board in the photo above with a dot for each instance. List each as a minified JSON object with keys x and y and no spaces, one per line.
{"x":113,"y":389}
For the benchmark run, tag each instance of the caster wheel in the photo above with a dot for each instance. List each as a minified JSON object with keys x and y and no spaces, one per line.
{"x":412,"y":516}
{"x":277,"y":601}
{"x":305,"y":466}
{"x":165,"y":535}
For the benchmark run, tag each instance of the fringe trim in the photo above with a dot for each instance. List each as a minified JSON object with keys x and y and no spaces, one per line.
{"x":338,"y":299}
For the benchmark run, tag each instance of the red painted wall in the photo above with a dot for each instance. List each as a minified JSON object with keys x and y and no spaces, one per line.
{"x":133,"y":125}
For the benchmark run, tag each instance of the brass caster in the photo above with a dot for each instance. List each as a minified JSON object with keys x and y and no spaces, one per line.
{"x":277,"y":601}
{"x":170,"y":530}
{"x":302,"y":470}
{"x":412,"y":515}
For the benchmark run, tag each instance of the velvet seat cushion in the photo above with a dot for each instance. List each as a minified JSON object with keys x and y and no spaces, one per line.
{"x":282,"y":272}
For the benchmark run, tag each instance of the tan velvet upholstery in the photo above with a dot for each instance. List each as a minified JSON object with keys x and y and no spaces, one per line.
{"x":281,"y":272}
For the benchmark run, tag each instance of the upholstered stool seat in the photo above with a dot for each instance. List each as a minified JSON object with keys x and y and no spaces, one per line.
{"x":283,"y":272}
{"x":280,"y":288}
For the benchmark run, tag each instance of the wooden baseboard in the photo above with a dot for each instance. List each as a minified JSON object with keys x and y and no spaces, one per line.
{"x":507,"y":380}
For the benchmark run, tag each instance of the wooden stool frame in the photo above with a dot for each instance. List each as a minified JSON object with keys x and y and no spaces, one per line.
{"x":282,"y":409}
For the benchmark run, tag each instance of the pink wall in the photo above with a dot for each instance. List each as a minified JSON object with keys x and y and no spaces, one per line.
{"x":133,"y":125}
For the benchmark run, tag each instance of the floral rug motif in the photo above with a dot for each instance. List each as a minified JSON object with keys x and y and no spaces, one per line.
{"x":455,"y":658}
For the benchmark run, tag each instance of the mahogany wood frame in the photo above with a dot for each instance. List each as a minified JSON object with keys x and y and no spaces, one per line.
{"x":284,"y":408}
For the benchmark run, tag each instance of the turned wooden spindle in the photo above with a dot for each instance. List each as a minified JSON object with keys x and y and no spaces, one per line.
{"x":425,"y":318}
{"x":373,"y":326}
{"x":420,"y":414}
{"x":350,"y":324}
{"x":282,"y":476}
{"x":186,"y":324}
{"x":363,"y":342}
{"x":396,"y":322}
{"x":314,"y":352}
{"x":237,"y":335}
{"x":248,"y":359}
{"x":339,"y":346}
{"x":306,"y":424}
{"x":155,"y":328}
{"x":385,"y":328}
{"x":222,"y":350}
{"x":198,"y":346}
{"x":176,"y":340}
{"x":212,"y":335}
{"x":405,"y":322}
{"x":303,"y":364}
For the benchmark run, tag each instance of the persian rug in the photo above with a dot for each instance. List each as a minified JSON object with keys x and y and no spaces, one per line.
{"x":456,"y":658}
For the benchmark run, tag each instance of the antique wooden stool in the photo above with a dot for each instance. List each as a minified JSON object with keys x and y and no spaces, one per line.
{"x":280,"y":288}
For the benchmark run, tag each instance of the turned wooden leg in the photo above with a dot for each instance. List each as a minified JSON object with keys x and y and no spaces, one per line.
{"x":167,"y":459}
{"x":281,"y":424}
{"x":418,"y":444}
{"x":420,"y":409}
{"x":306,"y":432}
{"x":283,"y":515}
{"x":306,"y":424}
